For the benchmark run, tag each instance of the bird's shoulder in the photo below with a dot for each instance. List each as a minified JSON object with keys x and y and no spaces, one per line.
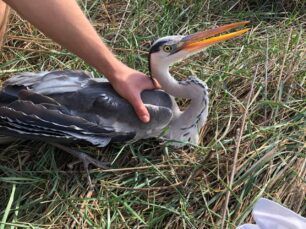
{"x":44,"y":82}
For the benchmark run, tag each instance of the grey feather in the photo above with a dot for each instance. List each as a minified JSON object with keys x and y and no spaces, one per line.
{"x":72,"y":105}
{"x":6,"y":140}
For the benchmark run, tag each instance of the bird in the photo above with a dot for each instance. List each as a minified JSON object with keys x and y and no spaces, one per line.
{"x":66,"y":106}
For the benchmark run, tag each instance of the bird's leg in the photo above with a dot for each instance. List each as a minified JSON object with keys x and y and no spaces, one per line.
{"x":85,"y":158}
{"x":70,"y":165}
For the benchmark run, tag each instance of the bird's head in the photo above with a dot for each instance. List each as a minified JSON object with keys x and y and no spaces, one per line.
{"x":168,"y":50}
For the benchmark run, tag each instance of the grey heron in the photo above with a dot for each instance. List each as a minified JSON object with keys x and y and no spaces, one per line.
{"x":67,"y":106}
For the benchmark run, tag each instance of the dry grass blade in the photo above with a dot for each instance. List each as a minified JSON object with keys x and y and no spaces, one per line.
{"x":238,"y":142}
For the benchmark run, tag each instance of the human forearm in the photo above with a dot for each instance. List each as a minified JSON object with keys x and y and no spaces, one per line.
{"x":65,"y":23}
{"x":4,"y":15}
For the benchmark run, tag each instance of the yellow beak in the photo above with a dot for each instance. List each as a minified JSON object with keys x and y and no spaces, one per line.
{"x":203,"y":39}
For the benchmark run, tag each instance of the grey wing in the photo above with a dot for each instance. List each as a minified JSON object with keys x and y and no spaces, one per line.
{"x":115,"y":111}
{"x":50,"y":121}
{"x":50,"y":82}
{"x":97,"y":101}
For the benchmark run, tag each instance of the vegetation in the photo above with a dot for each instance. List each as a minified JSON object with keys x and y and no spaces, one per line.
{"x":252,"y":146}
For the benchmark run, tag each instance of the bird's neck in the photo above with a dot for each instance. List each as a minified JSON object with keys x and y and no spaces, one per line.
{"x":168,"y":83}
{"x":192,"y":88}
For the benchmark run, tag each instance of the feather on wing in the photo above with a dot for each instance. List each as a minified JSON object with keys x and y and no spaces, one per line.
{"x":73,"y":104}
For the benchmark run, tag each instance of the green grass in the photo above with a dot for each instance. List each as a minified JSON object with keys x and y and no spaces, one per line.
{"x":257,"y":113}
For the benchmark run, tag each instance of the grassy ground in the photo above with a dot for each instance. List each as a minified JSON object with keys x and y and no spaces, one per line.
{"x":255,"y":129}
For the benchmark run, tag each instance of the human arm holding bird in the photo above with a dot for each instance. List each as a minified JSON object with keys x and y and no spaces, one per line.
{"x":70,"y":106}
{"x":65,"y":23}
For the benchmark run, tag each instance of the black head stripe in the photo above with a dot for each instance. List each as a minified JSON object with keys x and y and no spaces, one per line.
{"x":156,"y":47}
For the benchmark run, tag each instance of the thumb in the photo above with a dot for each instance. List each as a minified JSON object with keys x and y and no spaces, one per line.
{"x":140,"y":109}
{"x":156,"y":83}
{"x":149,"y":83}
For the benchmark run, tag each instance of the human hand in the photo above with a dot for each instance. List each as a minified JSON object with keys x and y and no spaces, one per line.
{"x":86,"y":44}
{"x":129,"y":83}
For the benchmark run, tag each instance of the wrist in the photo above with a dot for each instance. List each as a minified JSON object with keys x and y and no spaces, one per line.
{"x":117,"y":71}
{"x":110,"y":67}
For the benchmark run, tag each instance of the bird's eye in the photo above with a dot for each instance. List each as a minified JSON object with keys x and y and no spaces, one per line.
{"x":167,"y":48}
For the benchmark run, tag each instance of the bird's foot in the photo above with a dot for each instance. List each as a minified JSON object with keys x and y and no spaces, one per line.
{"x":85,"y":158}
